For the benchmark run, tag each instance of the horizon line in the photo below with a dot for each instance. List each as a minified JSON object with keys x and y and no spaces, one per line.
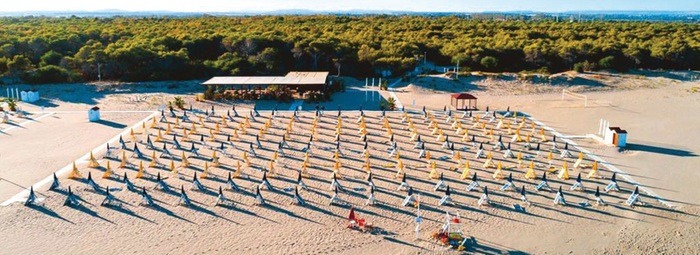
{"x":356,"y":11}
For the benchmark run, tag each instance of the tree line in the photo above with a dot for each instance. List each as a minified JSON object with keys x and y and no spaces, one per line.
{"x":48,"y":50}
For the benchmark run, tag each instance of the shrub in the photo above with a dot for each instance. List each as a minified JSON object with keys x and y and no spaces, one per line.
{"x":12,"y":104}
{"x":489,"y":62}
{"x":179,"y":103}
{"x":209,"y":93}
{"x":543,"y":70}
{"x":228,"y":96}
{"x":49,"y":74}
{"x":285,"y":97}
{"x":606,"y":62}
{"x":337,"y":85}
{"x":578,"y":67}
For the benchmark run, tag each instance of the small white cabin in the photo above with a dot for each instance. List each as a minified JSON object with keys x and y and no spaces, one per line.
{"x":616,"y":136}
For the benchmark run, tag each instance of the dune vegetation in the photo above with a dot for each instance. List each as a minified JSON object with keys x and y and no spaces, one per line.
{"x":50,"y":50}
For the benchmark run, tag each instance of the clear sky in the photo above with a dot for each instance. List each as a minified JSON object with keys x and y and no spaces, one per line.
{"x":334,"y":5}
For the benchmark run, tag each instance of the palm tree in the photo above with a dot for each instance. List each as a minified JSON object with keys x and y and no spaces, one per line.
{"x":179,"y":102}
{"x":391,"y":103}
{"x":12,"y":104}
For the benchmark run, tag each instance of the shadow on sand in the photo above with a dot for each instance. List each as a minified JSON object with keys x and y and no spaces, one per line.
{"x":660,"y":150}
{"x":110,"y":124}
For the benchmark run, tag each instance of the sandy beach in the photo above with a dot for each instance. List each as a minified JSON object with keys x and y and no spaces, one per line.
{"x":661,"y":155}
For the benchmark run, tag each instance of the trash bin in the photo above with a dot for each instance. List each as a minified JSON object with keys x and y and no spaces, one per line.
{"x":94,"y":114}
{"x":23,"y":95}
{"x":33,"y":95}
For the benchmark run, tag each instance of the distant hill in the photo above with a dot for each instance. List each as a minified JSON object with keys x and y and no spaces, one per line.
{"x":668,"y":16}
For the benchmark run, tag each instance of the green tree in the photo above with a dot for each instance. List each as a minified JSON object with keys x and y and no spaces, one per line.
{"x":145,"y":48}
{"x":489,"y":63}
{"x":49,"y":74}
{"x":606,"y":62}
{"x":51,"y":58}
{"x":19,"y":65}
{"x":3,"y":65}
{"x":87,"y":59}
{"x":229,"y":63}
{"x":210,"y":93}
{"x":7,"y":50}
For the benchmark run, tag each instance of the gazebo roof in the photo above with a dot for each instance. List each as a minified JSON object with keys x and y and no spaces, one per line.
{"x":292,"y":78}
{"x":463,"y":96}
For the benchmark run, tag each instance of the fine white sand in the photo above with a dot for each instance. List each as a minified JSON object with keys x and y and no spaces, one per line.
{"x":47,"y":142}
{"x":659,"y":157}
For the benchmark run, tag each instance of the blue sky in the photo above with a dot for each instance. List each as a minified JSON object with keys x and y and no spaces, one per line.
{"x":334,"y":5}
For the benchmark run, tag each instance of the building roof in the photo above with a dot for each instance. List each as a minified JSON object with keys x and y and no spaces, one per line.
{"x":618,"y":130}
{"x":292,"y":78}
{"x":463,"y":96}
